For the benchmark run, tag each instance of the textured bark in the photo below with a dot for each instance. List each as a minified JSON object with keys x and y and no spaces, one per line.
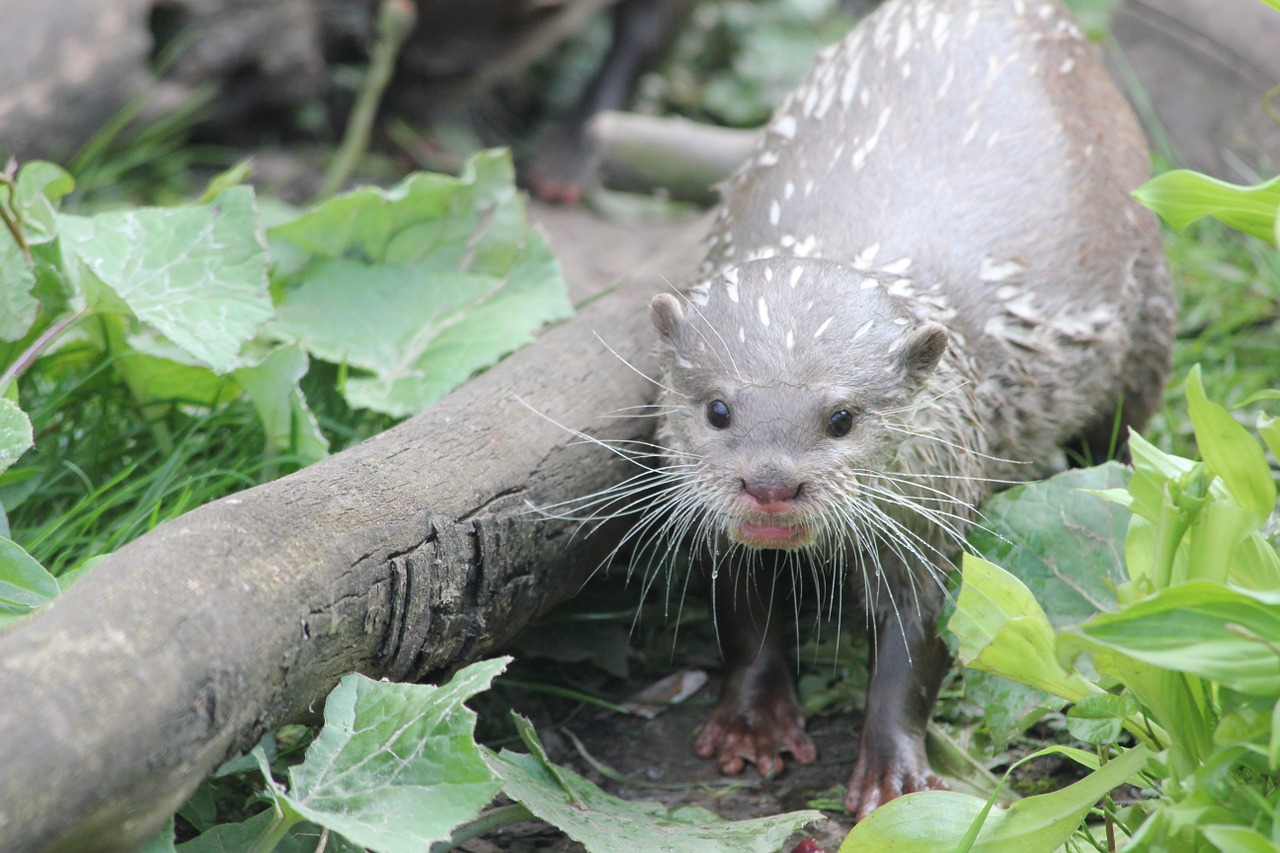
{"x":405,"y":556}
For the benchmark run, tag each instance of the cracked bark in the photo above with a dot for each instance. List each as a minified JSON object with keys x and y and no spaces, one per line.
{"x":406,"y":556}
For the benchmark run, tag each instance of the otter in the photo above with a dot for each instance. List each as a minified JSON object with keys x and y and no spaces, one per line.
{"x":928,"y":274}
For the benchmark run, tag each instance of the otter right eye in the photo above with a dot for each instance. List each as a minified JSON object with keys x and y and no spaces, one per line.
{"x":840,"y":424}
{"x":718,"y":414}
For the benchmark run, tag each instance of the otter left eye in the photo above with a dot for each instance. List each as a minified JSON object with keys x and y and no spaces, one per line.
{"x":840,"y":424}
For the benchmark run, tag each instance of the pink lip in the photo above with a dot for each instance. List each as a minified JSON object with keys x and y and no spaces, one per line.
{"x":769,"y":535}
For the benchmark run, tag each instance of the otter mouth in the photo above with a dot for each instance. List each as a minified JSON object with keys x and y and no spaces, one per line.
{"x":771,"y":535}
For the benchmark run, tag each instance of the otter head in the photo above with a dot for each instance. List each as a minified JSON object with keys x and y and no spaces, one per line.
{"x":783,"y":380}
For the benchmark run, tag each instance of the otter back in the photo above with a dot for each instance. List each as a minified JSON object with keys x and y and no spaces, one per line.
{"x":977,"y":150}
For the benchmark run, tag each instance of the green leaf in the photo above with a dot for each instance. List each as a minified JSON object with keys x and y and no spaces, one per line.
{"x":418,"y":287}
{"x":1099,"y":719}
{"x":1218,"y":633}
{"x":1182,"y":196}
{"x":1229,"y":451}
{"x":15,"y":432}
{"x":395,"y":768}
{"x":164,"y":374}
{"x":162,"y":841}
{"x":272,"y":385}
{"x":606,"y":824}
{"x":158,"y":371}
{"x":18,"y":307}
{"x":24,"y":584}
{"x":195,"y":273}
{"x":1256,"y":564}
{"x":1062,"y":542}
{"x":40,"y":186}
{"x":68,"y":578}
{"x":240,"y":837}
{"x":1152,"y":469}
{"x":936,"y":821}
{"x":1008,"y":708}
{"x":1003,"y":630}
{"x":1173,"y":705}
{"x":1238,"y":839}
{"x":1269,"y":429}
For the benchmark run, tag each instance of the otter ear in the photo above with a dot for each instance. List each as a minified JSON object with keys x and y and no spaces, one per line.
{"x":923,"y":349}
{"x":667,"y":317}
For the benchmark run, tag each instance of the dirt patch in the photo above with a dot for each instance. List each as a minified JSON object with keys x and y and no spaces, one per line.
{"x":653,"y":760}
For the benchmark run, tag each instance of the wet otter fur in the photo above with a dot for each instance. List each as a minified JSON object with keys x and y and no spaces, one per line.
{"x":929,"y":273}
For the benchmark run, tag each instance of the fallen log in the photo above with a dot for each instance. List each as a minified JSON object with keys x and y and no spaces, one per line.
{"x":681,"y":158}
{"x":406,"y":556}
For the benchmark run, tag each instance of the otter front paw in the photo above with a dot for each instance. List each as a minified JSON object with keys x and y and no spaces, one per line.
{"x":883,"y":775}
{"x":564,"y":166}
{"x":757,"y":735}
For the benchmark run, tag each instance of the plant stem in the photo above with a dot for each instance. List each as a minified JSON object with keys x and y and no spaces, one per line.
{"x":395,"y":22}
{"x":38,"y":346}
{"x":487,"y":822}
{"x":275,"y":833}
{"x":13,"y":222}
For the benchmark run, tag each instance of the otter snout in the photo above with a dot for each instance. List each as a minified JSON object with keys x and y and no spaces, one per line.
{"x":770,"y":519}
{"x":771,"y":496}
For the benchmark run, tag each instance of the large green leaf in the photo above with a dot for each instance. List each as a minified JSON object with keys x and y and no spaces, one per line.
{"x":1063,"y":543}
{"x":419,"y":286}
{"x":1067,"y":547}
{"x":196,"y":273}
{"x":1182,"y":196}
{"x":1216,"y":632}
{"x":24,"y":583}
{"x":937,"y":821}
{"x":606,"y":824}
{"x":1001,"y":629}
{"x":272,"y":384}
{"x":395,"y":767}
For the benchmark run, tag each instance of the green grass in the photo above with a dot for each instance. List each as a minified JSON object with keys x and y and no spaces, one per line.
{"x":105,"y":470}
{"x":1228,"y":288}
{"x":99,"y":476}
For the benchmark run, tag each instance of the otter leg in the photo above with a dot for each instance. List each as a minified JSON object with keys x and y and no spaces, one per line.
{"x":642,"y":30}
{"x":908,"y":662}
{"x":757,"y":717}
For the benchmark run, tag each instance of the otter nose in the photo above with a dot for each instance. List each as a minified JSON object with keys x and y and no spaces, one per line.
{"x":771,"y":495}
